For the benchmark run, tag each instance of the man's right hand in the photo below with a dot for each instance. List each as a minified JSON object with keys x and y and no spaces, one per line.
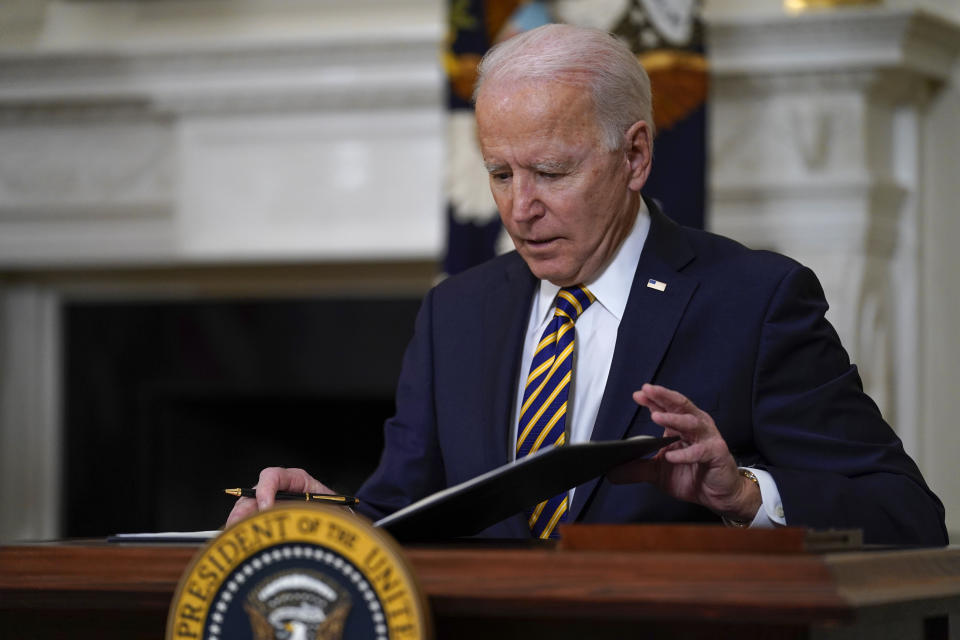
{"x":273,"y":479}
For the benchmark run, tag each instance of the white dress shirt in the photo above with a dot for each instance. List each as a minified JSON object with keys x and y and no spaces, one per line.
{"x":596,"y":337}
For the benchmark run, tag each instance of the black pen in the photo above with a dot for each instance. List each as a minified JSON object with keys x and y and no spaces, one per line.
{"x":344,"y":501}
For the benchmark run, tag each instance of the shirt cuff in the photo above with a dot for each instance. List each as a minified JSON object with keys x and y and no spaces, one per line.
{"x":770,"y":514}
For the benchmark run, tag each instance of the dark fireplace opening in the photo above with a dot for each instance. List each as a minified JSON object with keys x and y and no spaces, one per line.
{"x":191,"y":458}
{"x":169,"y":403}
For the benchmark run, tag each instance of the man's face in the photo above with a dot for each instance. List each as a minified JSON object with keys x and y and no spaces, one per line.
{"x":565,"y":200}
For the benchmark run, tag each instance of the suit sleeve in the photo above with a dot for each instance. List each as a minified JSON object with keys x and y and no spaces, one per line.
{"x":410,"y":465}
{"x":836,"y":462}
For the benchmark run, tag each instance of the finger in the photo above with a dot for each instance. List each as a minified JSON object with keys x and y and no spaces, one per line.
{"x":682,"y":424}
{"x":303,"y":481}
{"x":241,"y":509}
{"x":679,"y":444}
{"x":695,"y":453}
{"x":644,"y":400}
{"x":272,"y":479}
{"x":670,"y":400}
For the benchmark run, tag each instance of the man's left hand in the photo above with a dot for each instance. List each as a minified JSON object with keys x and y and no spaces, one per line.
{"x":699,"y":467}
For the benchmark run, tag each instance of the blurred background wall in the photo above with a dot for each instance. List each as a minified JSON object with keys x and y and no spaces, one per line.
{"x":192,"y":190}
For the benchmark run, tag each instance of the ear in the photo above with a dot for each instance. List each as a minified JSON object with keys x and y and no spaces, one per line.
{"x":638,"y":146}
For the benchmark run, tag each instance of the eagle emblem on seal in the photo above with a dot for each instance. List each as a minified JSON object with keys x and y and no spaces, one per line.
{"x":297,"y":605}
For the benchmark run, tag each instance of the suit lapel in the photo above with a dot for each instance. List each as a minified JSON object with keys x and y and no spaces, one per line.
{"x":649,"y":322}
{"x":505,"y":310}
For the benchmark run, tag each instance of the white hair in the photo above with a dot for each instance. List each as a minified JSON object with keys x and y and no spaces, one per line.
{"x":618,"y":84}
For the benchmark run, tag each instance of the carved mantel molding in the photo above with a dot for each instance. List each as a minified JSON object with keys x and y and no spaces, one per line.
{"x":877,"y":37}
{"x":305,"y":149}
{"x":390,"y":71}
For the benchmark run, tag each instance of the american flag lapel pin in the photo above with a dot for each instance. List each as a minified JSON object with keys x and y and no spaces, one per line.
{"x":656,"y":284}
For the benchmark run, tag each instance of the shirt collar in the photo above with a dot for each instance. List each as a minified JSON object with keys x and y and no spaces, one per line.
{"x":612,"y":286}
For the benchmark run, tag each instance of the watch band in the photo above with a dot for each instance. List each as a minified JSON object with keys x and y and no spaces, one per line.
{"x":742,"y":524}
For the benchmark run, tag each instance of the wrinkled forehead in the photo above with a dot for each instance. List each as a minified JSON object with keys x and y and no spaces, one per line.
{"x":507,"y":99}
{"x":536,"y":123}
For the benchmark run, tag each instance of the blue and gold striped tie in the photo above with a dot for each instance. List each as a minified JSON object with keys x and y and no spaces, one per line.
{"x":544,"y":409}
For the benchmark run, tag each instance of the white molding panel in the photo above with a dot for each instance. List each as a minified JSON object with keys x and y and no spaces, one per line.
{"x":183,"y":145}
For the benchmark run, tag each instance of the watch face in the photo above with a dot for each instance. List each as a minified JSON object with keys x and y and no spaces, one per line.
{"x":298,"y":572}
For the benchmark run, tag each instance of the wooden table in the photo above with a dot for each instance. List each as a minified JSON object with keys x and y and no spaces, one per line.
{"x":94,"y":589}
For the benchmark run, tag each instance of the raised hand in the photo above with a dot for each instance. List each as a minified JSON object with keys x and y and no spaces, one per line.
{"x":699,"y":467}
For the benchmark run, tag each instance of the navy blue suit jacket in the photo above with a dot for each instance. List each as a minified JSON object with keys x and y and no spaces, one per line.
{"x":740,"y":332}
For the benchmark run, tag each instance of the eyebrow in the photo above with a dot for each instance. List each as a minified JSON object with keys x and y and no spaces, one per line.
{"x":547,"y":166}
{"x":553,"y":166}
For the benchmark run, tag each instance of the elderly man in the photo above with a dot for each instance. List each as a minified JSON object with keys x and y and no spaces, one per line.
{"x":611,"y":321}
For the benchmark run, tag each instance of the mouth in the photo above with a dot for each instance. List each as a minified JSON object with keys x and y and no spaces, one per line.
{"x":539,"y":243}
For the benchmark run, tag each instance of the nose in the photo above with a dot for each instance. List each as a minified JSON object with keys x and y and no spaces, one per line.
{"x":526,"y":203}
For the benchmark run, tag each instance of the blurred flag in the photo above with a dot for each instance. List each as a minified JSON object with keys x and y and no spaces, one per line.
{"x":668,"y":38}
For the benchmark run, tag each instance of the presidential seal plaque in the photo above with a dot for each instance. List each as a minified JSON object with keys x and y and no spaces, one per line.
{"x":299,"y":572}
